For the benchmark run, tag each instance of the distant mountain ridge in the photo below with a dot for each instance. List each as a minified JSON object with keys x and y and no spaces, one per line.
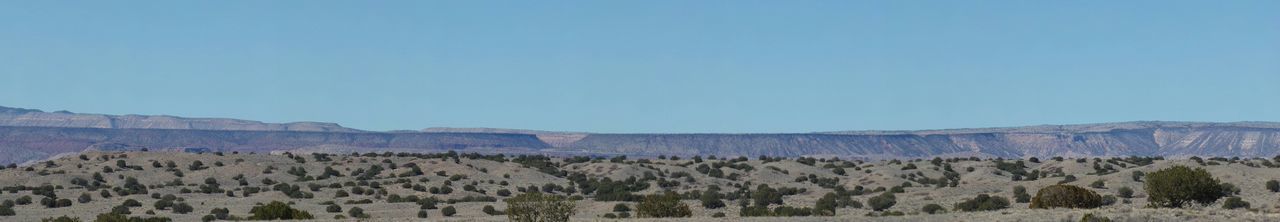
{"x":28,"y":134}
{"x":34,"y":117}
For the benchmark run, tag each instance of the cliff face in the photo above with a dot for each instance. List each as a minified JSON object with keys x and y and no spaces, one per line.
{"x":35,"y":143}
{"x":1162,"y":140}
{"x":28,"y":134}
{"x":37,"y":118}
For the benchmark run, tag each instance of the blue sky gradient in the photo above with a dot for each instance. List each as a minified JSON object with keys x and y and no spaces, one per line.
{"x":649,"y":66}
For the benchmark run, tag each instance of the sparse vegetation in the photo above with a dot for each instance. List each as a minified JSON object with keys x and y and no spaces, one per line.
{"x":278,"y":211}
{"x":529,"y":207}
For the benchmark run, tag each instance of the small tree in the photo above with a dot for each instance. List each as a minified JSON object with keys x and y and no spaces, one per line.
{"x":663,"y":205}
{"x":278,"y":211}
{"x":536,"y":206}
{"x":983,"y":202}
{"x":1065,"y":196}
{"x":882,"y":201}
{"x":1273,"y":185}
{"x":1180,"y":185}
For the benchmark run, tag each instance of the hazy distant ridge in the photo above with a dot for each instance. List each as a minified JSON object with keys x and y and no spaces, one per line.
{"x":28,"y":134}
{"x":33,"y":117}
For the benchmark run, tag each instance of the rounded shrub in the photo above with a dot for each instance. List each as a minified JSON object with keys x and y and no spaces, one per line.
{"x":1065,"y":196}
{"x":932,"y":209}
{"x":1235,"y":203}
{"x":1180,"y":185}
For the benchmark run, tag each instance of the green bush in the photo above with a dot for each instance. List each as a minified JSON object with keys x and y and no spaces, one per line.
{"x":1065,"y":196}
{"x":1234,"y":203}
{"x":488,"y":209}
{"x":882,"y":201}
{"x":61,"y":219}
{"x":1091,"y":218}
{"x":663,"y":205}
{"x":109,"y":217}
{"x":278,"y":211}
{"x":983,"y":202}
{"x":1099,"y":184}
{"x":1020,"y":194}
{"x":357,"y":212}
{"x":530,"y":207}
{"x":7,"y":211}
{"x":448,"y":211}
{"x":1180,"y":185}
{"x":1273,"y":185}
{"x":826,"y":206}
{"x":1125,"y":192}
{"x":932,"y":209}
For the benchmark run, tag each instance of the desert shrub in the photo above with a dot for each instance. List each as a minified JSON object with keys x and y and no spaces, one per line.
{"x":488,"y":209}
{"x":826,"y":206}
{"x":85,"y":198}
{"x":1108,"y":200}
{"x":1273,"y":185}
{"x":334,"y":208}
{"x":7,"y":211}
{"x":132,"y":203}
{"x":621,"y":207}
{"x":1068,"y":179}
{"x":530,"y":207}
{"x":983,"y":202}
{"x":182,"y":208}
{"x":1065,"y":196}
{"x":1137,"y":176}
{"x":1092,"y":218}
{"x":882,"y":201}
{"x":277,"y":211}
{"x":932,"y":209}
{"x":663,"y":205}
{"x":357,"y":212}
{"x":1125,"y":192}
{"x":1180,"y":185}
{"x":448,"y":211}
{"x":1234,"y":203}
{"x":423,"y":214}
{"x":109,"y":217}
{"x":61,"y":219}
{"x":711,"y":200}
{"x":1099,"y":184}
{"x":1020,"y":194}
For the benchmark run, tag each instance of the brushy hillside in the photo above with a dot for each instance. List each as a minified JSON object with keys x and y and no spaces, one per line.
{"x":472,"y":187}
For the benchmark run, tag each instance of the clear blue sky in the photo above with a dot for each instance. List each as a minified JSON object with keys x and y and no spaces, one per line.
{"x":648,"y":66}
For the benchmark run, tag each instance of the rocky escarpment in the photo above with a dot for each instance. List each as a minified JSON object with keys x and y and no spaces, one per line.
{"x":38,"y":118}
{"x":35,"y":143}
{"x":1146,"y":139}
{"x":27,"y":134}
